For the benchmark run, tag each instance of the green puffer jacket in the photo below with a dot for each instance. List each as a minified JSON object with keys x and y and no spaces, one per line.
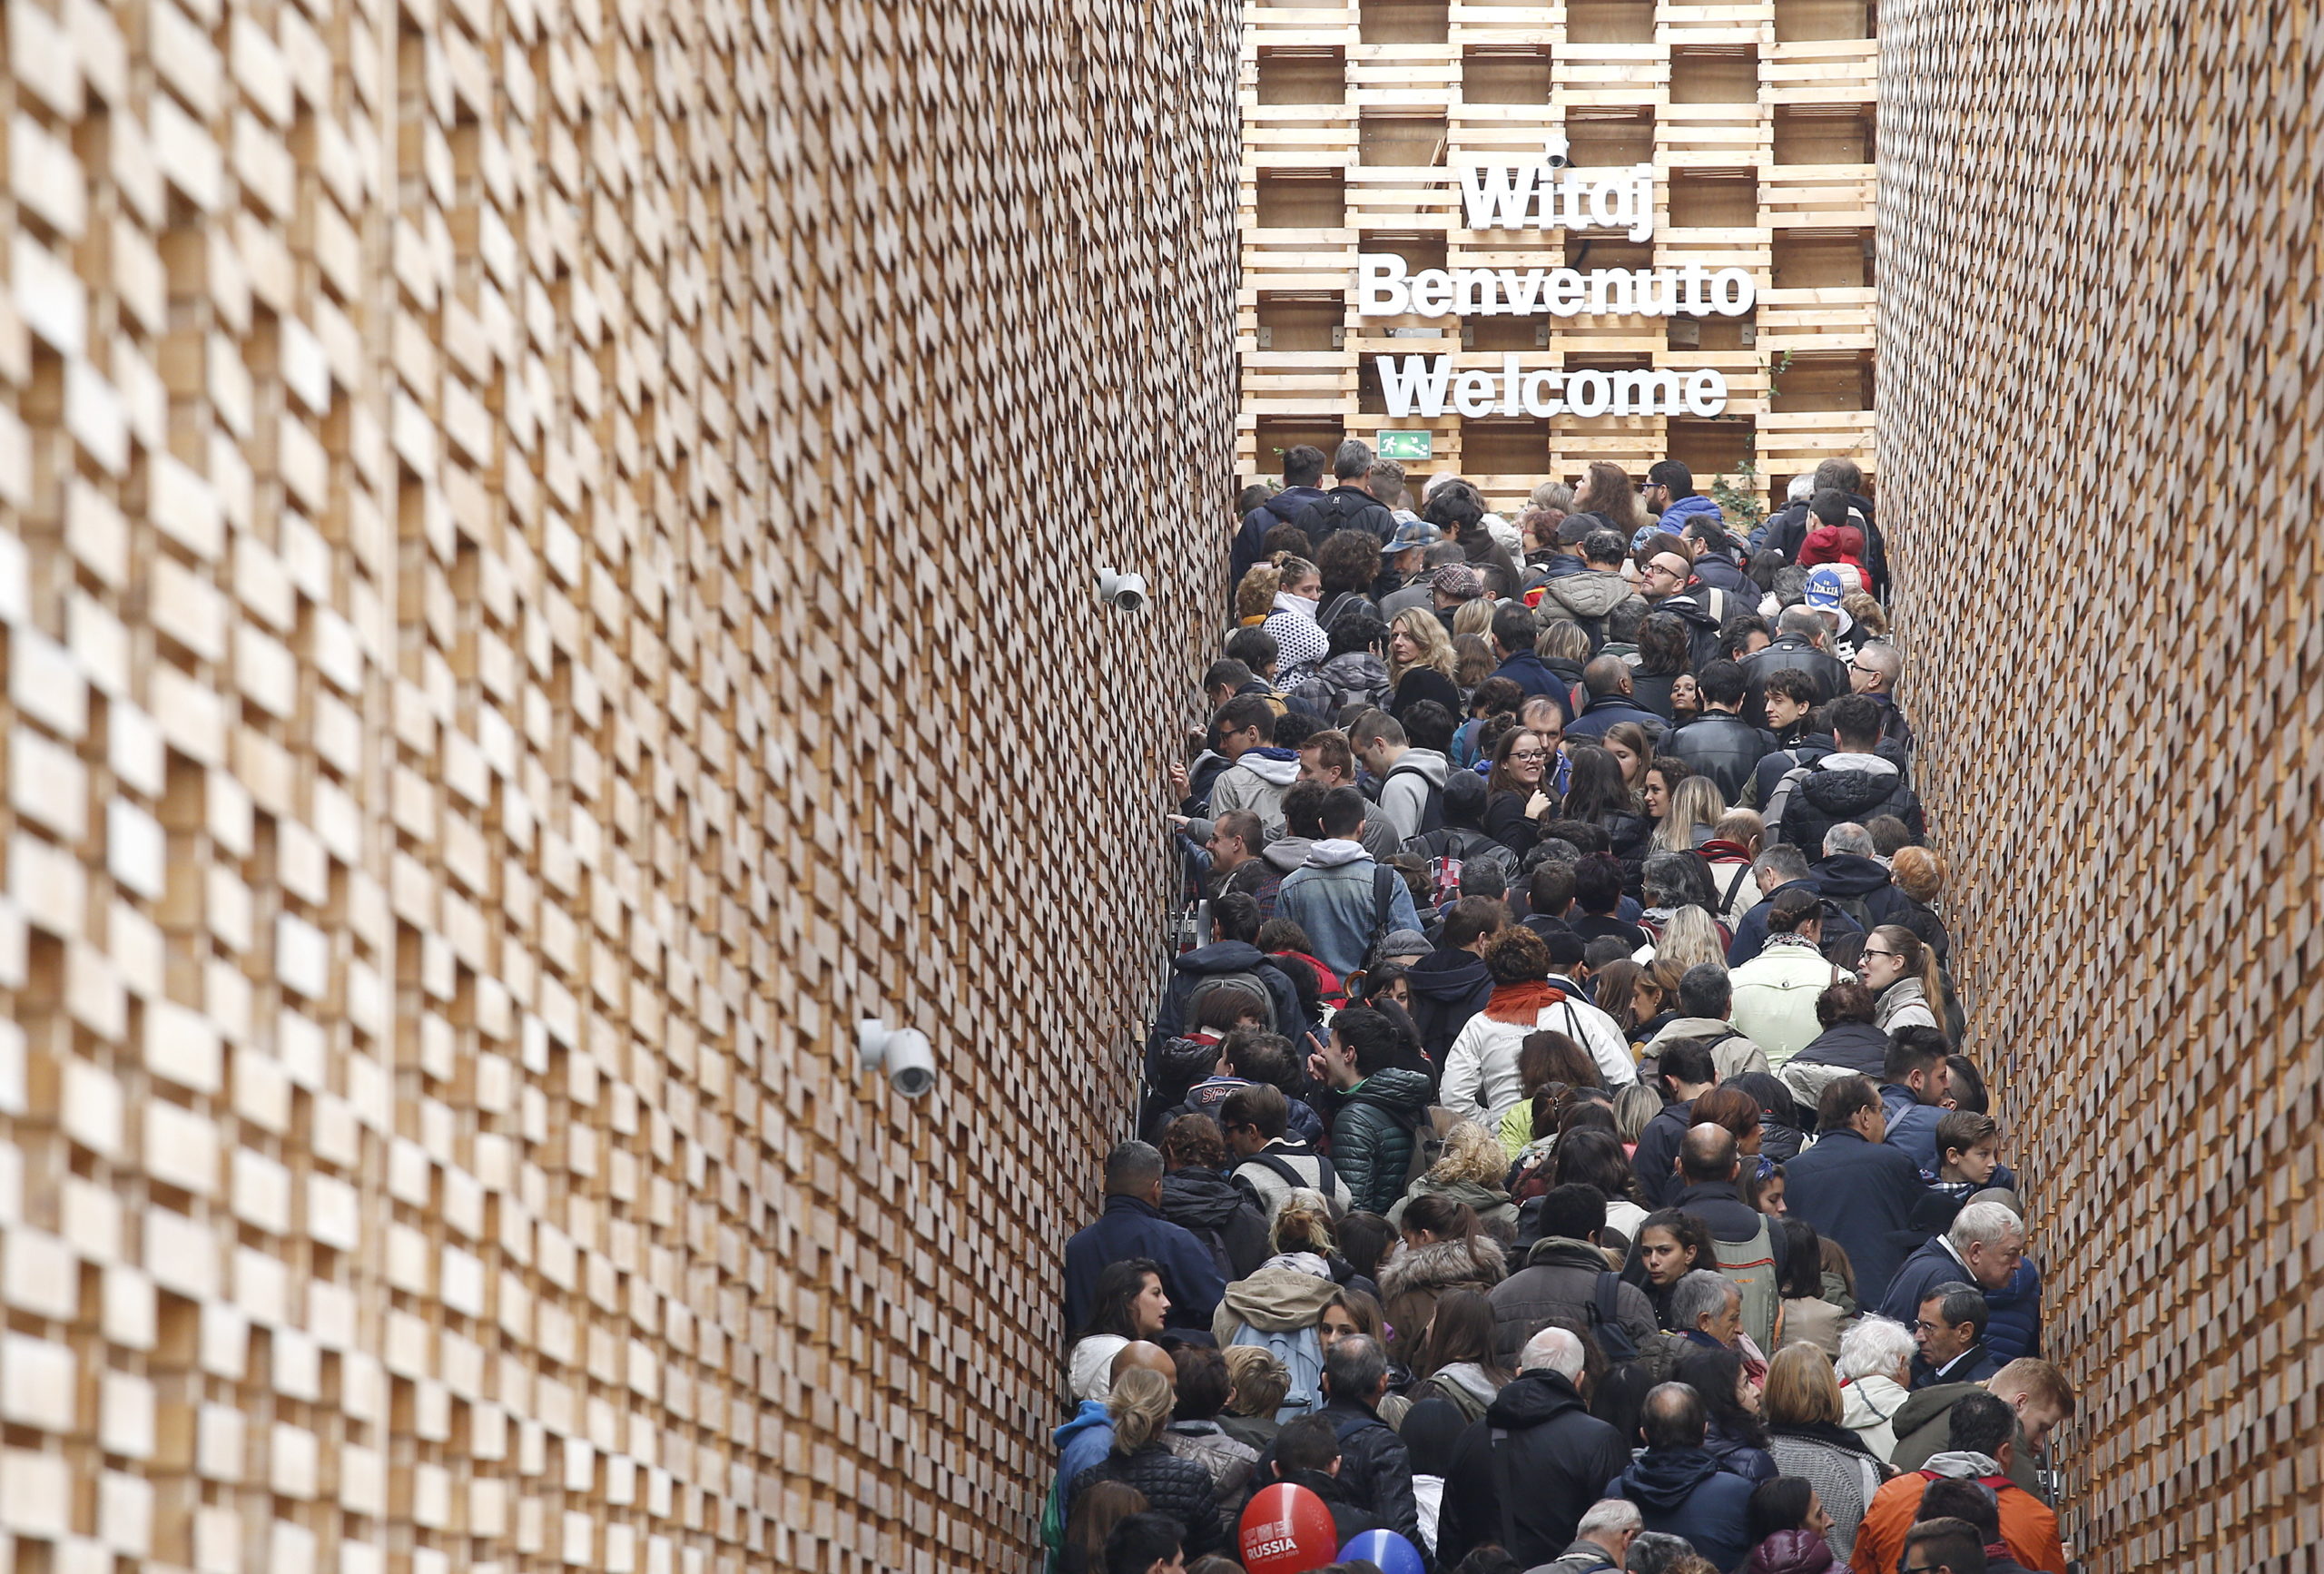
{"x":1372,"y":1139}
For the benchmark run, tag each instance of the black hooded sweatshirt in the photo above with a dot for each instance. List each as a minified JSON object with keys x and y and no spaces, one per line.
{"x":1557,"y":1455}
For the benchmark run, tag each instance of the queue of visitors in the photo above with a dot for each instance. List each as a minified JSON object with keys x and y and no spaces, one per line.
{"x":1557,"y":1146}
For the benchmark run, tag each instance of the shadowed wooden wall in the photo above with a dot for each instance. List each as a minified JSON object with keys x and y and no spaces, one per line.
{"x":547,"y":556}
{"x":2103,"y":448}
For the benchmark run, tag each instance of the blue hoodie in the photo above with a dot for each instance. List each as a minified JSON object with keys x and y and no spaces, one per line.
{"x":1683,"y":1492}
{"x":1083,"y":1442}
{"x":1679,"y":516}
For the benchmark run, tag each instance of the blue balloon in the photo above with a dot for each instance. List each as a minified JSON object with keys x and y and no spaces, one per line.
{"x":1391,"y":1553}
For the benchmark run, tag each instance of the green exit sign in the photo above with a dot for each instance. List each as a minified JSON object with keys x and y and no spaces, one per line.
{"x":1405,"y":445}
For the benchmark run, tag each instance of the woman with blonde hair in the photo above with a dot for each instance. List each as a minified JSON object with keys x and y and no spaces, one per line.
{"x":1869,"y":614}
{"x":1303,"y":1227}
{"x":1474,"y":618}
{"x":1258,"y":1386}
{"x":1633,"y":1107}
{"x":1694,"y":813}
{"x":1690,"y":938}
{"x":1470,"y":1171}
{"x":1419,"y":663}
{"x":1563,"y":642}
{"x":1805,"y":1438}
{"x":1139,"y":1406}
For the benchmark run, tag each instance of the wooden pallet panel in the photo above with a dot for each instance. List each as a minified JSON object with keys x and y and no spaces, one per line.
{"x":1698,"y":91}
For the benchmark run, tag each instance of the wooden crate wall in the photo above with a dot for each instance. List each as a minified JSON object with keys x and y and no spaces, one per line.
{"x":2132,"y":801}
{"x":547,"y":556}
{"x":1758,"y":117}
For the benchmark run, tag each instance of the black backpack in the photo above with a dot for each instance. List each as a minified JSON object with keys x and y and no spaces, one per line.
{"x":1336,"y":511}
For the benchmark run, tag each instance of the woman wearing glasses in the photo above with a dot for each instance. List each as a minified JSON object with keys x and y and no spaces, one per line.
{"x":1902,"y":973}
{"x":1514,"y":795}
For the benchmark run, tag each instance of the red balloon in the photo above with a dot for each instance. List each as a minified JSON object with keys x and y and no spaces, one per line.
{"x":1286,"y":1530}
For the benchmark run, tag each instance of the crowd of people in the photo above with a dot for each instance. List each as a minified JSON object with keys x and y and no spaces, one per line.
{"x":1557,"y":1145}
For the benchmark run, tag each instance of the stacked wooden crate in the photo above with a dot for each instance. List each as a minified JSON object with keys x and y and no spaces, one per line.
{"x":1757,"y":118}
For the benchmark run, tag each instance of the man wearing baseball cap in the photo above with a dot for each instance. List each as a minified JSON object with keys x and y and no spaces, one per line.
{"x":1400,"y":555}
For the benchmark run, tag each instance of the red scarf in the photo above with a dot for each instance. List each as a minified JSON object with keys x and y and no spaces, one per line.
{"x":1522,"y":1003}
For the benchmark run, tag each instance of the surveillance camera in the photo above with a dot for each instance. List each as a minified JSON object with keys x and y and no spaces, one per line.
{"x":904,"y":1052}
{"x":911,"y":1064}
{"x":1558,"y":153}
{"x":1125,"y":591}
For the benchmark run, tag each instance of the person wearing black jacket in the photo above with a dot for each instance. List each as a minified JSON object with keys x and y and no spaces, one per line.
{"x":1847,"y":873}
{"x":1719,"y":743}
{"x":1513,"y":633}
{"x":1715,"y":560}
{"x":1684,"y":1072}
{"x":1798,"y":646}
{"x":1522,"y":1477}
{"x":1303,"y":467}
{"x":1304,"y":1452}
{"x":1856,"y":782}
{"x":1452,"y":983}
{"x":1199,"y":1198}
{"x":1349,"y":505}
{"x":1374,"y":1467}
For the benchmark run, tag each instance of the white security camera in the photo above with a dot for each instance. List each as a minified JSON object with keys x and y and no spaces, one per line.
{"x":1125,"y":591}
{"x":1559,"y":152}
{"x":905,"y":1052}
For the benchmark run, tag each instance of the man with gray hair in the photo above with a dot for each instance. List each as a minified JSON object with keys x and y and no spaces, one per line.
{"x":1983,"y":1247}
{"x":1872,"y":673}
{"x":1349,"y":505}
{"x":1855,"y":881}
{"x":1705,"y":999}
{"x":1798,"y":646}
{"x":1373,"y":1464}
{"x":1786,"y":529}
{"x":1708,"y":1308}
{"x":1538,"y":1431}
{"x":1601,"y":1542}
